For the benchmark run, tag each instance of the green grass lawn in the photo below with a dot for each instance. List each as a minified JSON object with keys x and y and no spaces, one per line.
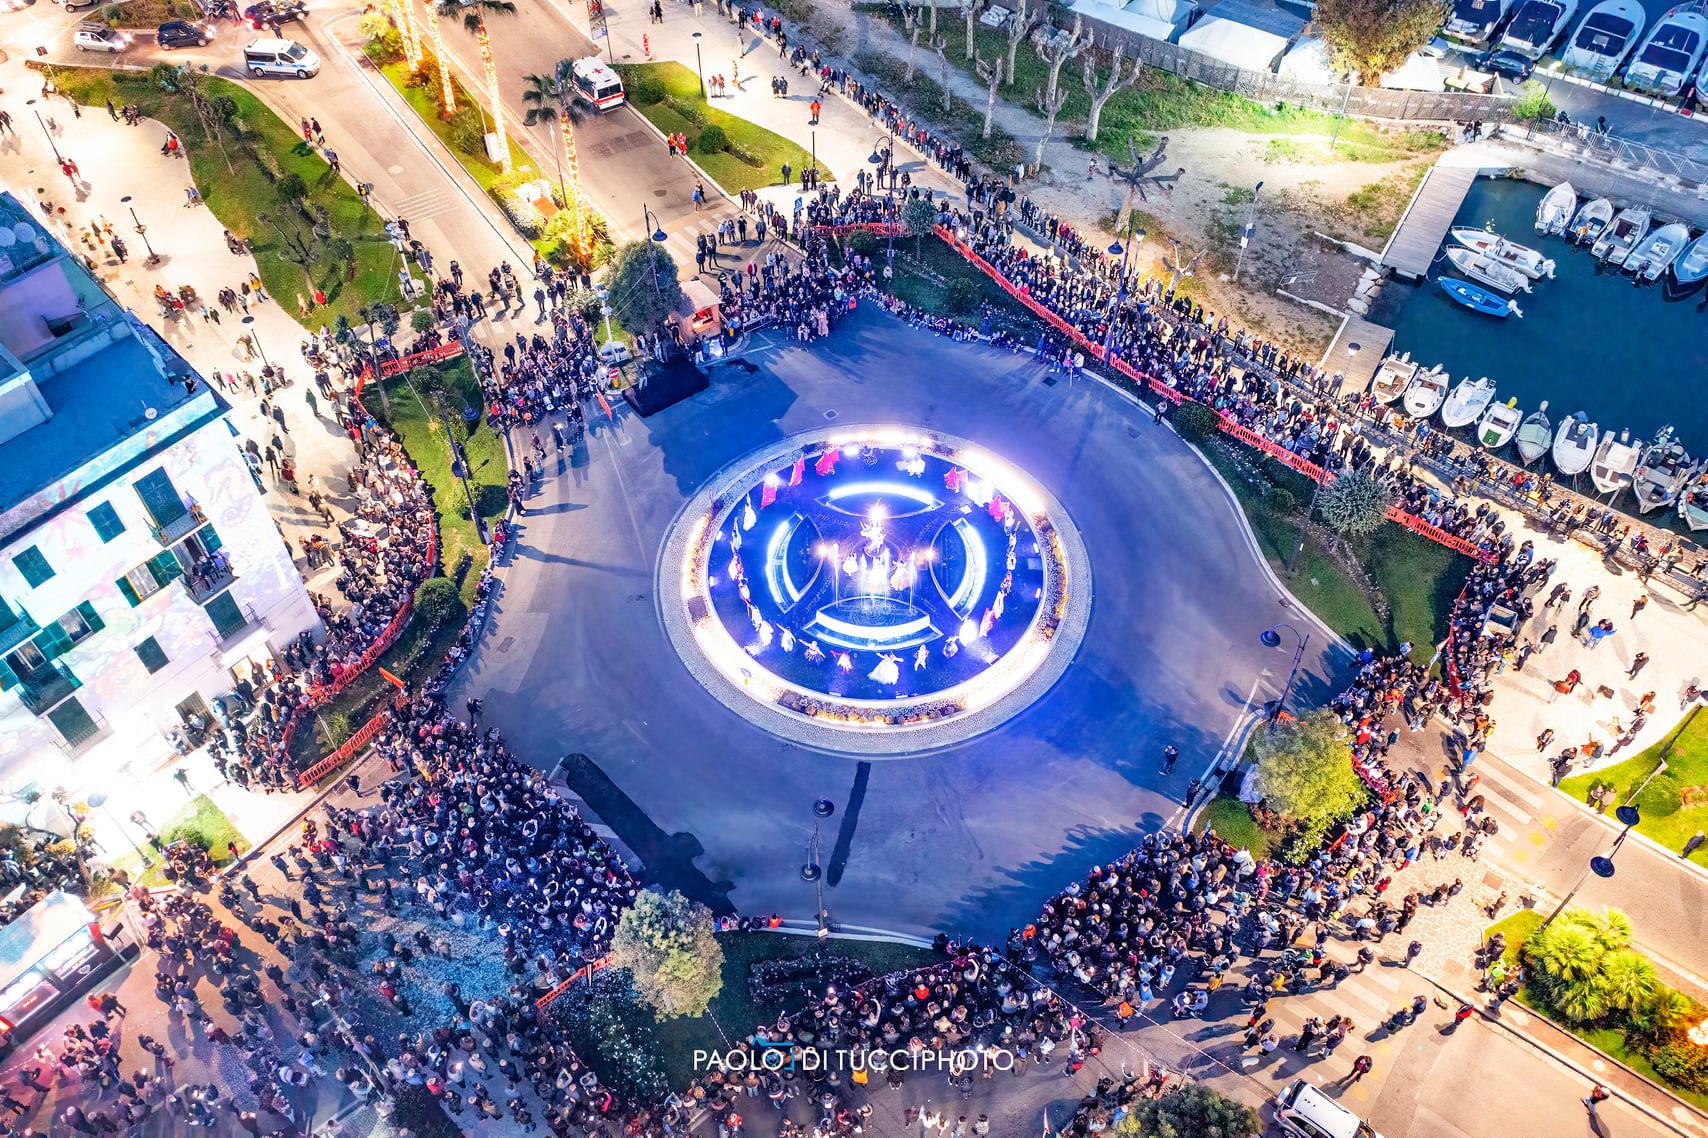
{"x":1233,"y":821}
{"x":756,"y":155}
{"x":1162,"y":101}
{"x":1687,"y":763}
{"x":1517,"y":929}
{"x":465,"y":147}
{"x":200,"y":822}
{"x":149,"y":14}
{"x":239,"y":195}
{"x":1417,"y":578}
{"x":923,"y":279}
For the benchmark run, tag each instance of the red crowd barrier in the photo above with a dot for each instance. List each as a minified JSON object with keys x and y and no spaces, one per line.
{"x":1274,"y":450}
{"x":876,"y":228}
{"x":389,"y":368}
{"x":363,"y":736}
{"x":585,"y":971}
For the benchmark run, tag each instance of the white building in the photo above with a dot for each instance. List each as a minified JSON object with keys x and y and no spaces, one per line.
{"x":141,"y":573}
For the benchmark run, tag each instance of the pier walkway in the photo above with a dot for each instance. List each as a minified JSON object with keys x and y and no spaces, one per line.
{"x":1424,"y":227}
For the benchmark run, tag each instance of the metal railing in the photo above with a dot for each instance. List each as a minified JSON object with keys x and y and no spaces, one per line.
{"x":202,"y":589}
{"x":44,"y":689}
{"x":1583,"y":141}
{"x":181,"y":526}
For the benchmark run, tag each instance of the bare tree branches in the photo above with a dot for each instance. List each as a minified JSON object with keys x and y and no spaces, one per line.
{"x":991,"y":73}
{"x":1118,"y":80}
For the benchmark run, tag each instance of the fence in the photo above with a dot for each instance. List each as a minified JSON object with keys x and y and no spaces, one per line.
{"x":1580,"y":140}
{"x":363,"y":736}
{"x":875,"y":228}
{"x":1268,"y":87}
{"x":1148,"y":382}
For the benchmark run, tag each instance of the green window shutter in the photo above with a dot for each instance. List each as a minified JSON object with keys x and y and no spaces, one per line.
{"x":129,"y":592}
{"x":106,"y":521}
{"x":210,"y":539}
{"x":153,"y":657}
{"x":8,"y":678}
{"x":52,"y":641}
{"x":90,"y":615}
{"x":33,"y":566}
{"x":159,"y":497}
{"x":165,"y":567}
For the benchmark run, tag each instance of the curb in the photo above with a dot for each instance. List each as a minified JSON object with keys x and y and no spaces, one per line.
{"x":1244,"y":729}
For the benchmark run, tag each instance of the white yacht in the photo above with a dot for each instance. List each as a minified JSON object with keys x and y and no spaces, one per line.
{"x":1665,"y":469}
{"x":1574,"y":443}
{"x":1391,"y":377}
{"x":1615,"y":459}
{"x":1619,"y":238}
{"x":1425,"y":392}
{"x":1473,"y":21}
{"x":1498,"y":424}
{"x":1534,"y":435}
{"x":1671,"y":52}
{"x":1658,"y":250}
{"x":1554,"y":212}
{"x":1535,"y":25}
{"x":1605,"y":37}
{"x":1488,"y":271}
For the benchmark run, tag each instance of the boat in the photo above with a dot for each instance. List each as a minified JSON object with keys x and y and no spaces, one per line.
{"x":1425,"y":393}
{"x":1535,"y":25}
{"x":1604,"y":39}
{"x":1615,"y":459}
{"x":1656,"y":251}
{"x":1478,"y":299}
{"x":1619,"y":238}
{"x":1692,"y":264}
{"x":1664,"y":471}
{"x":1466,"y":401}
{"x":1574,"y":443}
{"x":1526,"y":260}
{"x":1534,"y":434}
{"x":1474,"y":21}
{"x":1693,"y":505}
{"x":1554,"y":213}
{"x":1591,"y":221}
{"x":1481,"y":268}
{"x":1498,"y":424}
{"x":1391,"y":377}
{"x":1671,"y":52}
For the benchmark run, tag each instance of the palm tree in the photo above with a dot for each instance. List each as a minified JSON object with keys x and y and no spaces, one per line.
{"x":474,"y":11}
{"x":1628,"y":979}
{"x":551,"y":99}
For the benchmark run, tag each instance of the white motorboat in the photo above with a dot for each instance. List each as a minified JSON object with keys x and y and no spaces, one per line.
{"x":1474,"y":21}
{"x":1425,"y":393}
{"x":1656,"y":251}
{"x":1591,"y":221}
{"x":1535,"y":25}
{"x":1534,"y":435}
{"x":1467,"y":401}
{"x":1619,"y":238}
{"x":1496,"y":248}
{"x":1693,"y":505}
{"x":1692,"y":264}
{"x":1615,"y":459}
{"x":1604,"y":39}
{"x":1554,"y":212}
{"x":1664,"y":471}
{"x":1671,"y":52}
{"x":1391,"y":377}
{"x":1498,"y":424}
{"x":1574,"y":443}
{"x":1481,"y":268}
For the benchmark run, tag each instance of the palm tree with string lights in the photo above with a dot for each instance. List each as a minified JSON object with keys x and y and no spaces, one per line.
{"x":475,"y":11}
{"x":551,"y":99}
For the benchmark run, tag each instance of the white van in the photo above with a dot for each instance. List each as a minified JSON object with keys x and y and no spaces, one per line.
{"x":1305,"y":1112}
{"x":597,"y":83}
{"x":280,"y":57}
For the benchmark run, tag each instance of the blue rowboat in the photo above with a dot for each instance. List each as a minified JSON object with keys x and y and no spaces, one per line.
{"x":1477,"y":298}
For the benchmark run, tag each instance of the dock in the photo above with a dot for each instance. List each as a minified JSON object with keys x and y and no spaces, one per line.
{"x":1357,"y":351}
{"x":1424,"y":227}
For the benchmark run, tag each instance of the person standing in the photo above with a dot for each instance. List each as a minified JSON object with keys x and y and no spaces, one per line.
{"x":1638,"y":662}
{"x":1361,"y":1067}
{"x":1638,"y":605}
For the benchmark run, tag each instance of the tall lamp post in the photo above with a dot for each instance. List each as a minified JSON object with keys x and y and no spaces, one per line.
{"x":655,"y":236}
{"x":1250,"y":225}
{"x":813,"y":869}
{"x":57,"y":157}
{"x":98,"y":801}
{"x":255,"y":338}
{"x":141,"y":231}
{"x":1601,"y":864}
{"x":1271,"y":638}
{"x":1124,"y":252}
{"x":699,"y":68}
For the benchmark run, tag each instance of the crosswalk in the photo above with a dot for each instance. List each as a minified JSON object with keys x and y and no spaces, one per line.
{"x":423,"y":206}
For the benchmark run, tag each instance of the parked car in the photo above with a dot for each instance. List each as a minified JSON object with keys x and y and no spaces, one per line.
{"x":182,"y":33}
{"x":99,"y":37}
{"x":272,"y":13}
{"x":280,"y":57}
{"x":73,"y":5}
{"x":1513,"y":65}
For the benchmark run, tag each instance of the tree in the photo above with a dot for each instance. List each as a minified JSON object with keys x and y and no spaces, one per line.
{"x":1533,"y":104}
{"x":1117,"y":80}
{"x":643,"y":285}
{"x":1369,"y":38}
{"x":920,"y":217}
{"x":475,"y":10}
{"x":1193,"y":1111}
{"x":1583,"y":967}
{"x":666,"y":943}
{"x":913,"y":21}
{"x":971,"y":10}
{"x":1055,"y":52}
{"x":940,"y":45}
{"x":434,"y":599}
{"x":551,"y":98}
{"x":1355,"y":503}
{"x":1020,"y":25}
{"x":991,"y":73}
{"x":1305,"y":766}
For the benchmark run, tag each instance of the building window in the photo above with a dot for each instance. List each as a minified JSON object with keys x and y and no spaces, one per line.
{"x":73,"y":628}
{"x":226,"y":616}
{"x":160,"y":498}
{"x":153,"y":657}
{"x":73,"y":722}
{"x":33,"y":566}
{"x":106,"y":521}
{"x":148,"y":578}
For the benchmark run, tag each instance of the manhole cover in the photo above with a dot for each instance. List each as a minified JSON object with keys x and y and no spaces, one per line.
{"x":504,"y":645}
{"x":830,"y":414}
{"x":658,"y":193}
{"x":1050,"y":381}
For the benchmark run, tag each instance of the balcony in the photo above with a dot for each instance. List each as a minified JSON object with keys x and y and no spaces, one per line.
{"x":231,"y":634}
{"x":45,"y":688}
{"x":17,"y":632}
{"x":207,"y":580}
{"x":185,"y":523}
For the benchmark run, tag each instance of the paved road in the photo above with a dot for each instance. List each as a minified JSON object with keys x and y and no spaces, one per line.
{"x":972,"y":839}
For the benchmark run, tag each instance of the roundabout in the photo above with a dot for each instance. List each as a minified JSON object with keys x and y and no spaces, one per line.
{"x":874,"y":590}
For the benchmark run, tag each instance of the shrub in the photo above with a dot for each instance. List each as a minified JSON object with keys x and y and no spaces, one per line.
{"x":961,"y":297}
{"x":421,"y":319}
{"x":434,"y":599}
{"x":465,"y":131}
{"x":335,"y":729}
{"x":648,"y":91}
{"x":1682,"y":1063}
{"x":1662,"y":798}
{"x":687,"y":109}
{"x":491,"y":500}
{"x":1196,"y":423}
{"x":1279,"y":499}
{"x":713,"y":140}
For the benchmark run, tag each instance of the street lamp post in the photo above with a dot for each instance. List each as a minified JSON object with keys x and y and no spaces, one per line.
{"x":1245,"y":234}
{"x":141,"y":230}
{"x":1123,"y":251}
{"x":98,"y":801}
{"x":57,"y":157}
{"x":699,"y":68}
{"x":655,"y":236}
{"x":1271,"y":638}
{"x":1601,"y":864}
{"x":255,"y":338}
{"x":813,"y":870}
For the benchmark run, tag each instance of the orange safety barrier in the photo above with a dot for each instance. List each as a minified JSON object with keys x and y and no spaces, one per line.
{"x":363,"y":736}
{"x":1274,"y":450}
{"x":586,"y":970}
{"x":876,"y":228}
{"x":389,"y":368}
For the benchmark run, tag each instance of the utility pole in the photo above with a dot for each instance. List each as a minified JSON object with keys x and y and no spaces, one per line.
{"x":1245,"y":235}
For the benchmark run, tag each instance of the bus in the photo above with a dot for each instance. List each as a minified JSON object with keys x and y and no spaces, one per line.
{"x":596,"y":83}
